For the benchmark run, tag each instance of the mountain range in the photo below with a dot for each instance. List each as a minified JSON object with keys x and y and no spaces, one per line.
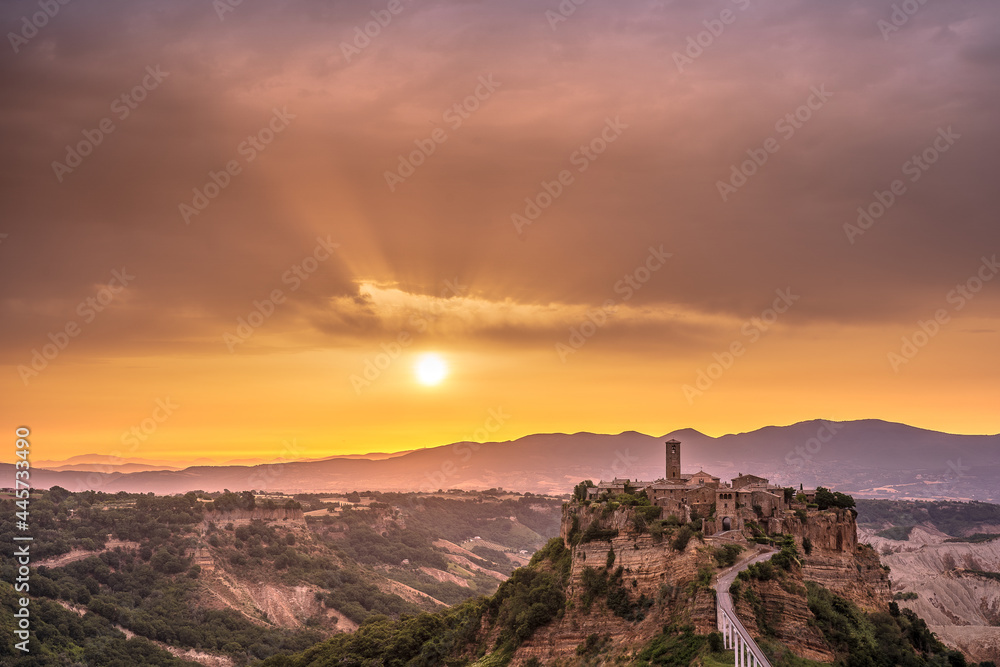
{"x":871,"y":458}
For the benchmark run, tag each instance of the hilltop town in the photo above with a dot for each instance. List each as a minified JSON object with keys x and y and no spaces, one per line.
{"x":719,"y":506}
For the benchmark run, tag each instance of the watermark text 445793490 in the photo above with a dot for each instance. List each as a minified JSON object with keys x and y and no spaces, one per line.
{"x":22,"y":541}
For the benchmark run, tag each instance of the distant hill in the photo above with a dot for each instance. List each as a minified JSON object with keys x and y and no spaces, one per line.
{"x":870,"y":458}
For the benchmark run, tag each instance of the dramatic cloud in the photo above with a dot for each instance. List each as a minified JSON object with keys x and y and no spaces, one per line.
{"x":494,"y":175}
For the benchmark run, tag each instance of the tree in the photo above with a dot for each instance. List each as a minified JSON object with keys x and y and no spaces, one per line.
{"x":825,"y":499}
{"x":580,"y":490}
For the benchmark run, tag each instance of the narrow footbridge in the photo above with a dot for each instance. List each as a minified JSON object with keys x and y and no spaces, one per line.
{"x":734,"y":634}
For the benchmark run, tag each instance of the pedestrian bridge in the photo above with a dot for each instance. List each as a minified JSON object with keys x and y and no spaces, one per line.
{"x":736,"y":637}
{"x":734,"y":634}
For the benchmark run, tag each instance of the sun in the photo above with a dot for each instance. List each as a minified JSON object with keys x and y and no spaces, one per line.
{"x":430,"y":369}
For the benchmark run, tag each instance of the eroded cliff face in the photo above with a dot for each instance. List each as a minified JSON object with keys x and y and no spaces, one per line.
{"x":836,"y":560}
{"x":651,"y":567}
{"x":784,"y":610}
{"x":666,"y":577}
{"x":961,"y":607}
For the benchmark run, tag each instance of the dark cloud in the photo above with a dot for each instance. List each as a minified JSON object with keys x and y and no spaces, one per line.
{"x":656,"y":184}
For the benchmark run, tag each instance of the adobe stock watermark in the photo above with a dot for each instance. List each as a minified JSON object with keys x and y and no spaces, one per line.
{"x":803,"y":454}
{"x":597,"y":318}
{"x":294,"y":277}
{"x":364,"y":34}
{"x":132,"y":438}
{"x":786,"y":126}
{"x":753,"y":329}
{"x":899,"y":17}
{"x":954,"y":473}
{"x":88,"y":310}
{"x":698,"y":43}
{"x":462,"y":452}
{"x":562,"y":12}
{"x":958,"y":298}
{"x":248,"y":149}
{"x":121,"y":107}
{"x":915,"y":168}
{"x":454,"y":116}
{"x":223,"y":7}
{"x":31,"y":25}
{"x":380,"y":362}
{"x":581,"y":158}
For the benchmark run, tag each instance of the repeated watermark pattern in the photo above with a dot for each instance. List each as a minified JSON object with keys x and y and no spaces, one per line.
{"x":121,"y":107}
{"x":698,"y":43}
{"x":132,"y":438}
{"x":88,"y":310}
{"x":455,"y":116}
{"x":899,"y":17}
{"x":597,"y":318}
{"x":957,"y":298}
{"x":30,"y":25}
{"x":802,"y":455}
{"x":752,"y":330}
{"x":915,"y":167}
{"x":563,"y":11}
{"x":248,"y":149}
{"x":375,"y":365}
{"x":462,"y":452}
{"x":581,"y":158}
{"x":786,"y":127}
{"x":294,"y":277}
{"x":364,"y":34}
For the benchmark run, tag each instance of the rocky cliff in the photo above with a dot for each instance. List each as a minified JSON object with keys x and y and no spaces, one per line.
{"x":961,"y":606}
{"x":832,"y":557}
{"x":676,"y":583}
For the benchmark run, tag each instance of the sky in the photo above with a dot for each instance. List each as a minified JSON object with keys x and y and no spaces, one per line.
{"x":233,"y":230}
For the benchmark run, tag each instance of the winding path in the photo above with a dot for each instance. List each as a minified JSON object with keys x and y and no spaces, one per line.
{"x":734,"y":634}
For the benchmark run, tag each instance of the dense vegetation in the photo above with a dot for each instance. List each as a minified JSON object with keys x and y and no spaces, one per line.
{"x":152,"y":587}
{"x":63,"y":637}
{"x":152,"y":594}
{"x":879,"y":639}
{"x":899,"y":533}
{"x":975,"y":538}
{"x":826,"y":499}
{"x":604,"y":584}
{"x":529,"y":599}
{"x":464,"y":516}
{"x":673,"y":648}
{"x":949,"y":516}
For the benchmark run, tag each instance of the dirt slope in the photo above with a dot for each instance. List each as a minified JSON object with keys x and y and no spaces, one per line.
{"x":962,"y":608}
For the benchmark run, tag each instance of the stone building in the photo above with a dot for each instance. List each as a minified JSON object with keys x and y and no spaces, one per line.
{"x":721,"y":505}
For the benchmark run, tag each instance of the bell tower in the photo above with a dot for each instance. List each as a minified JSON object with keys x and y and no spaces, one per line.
{"x":673,"y":460}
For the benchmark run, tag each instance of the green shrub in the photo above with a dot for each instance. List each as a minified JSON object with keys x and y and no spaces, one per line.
{"x":898,"y":533}
{"x":734,"y":590}
{"x":825,"y":499}
{"x":682,"y":538}
{"x":726,"y":555}
{"x":595,"y":533}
